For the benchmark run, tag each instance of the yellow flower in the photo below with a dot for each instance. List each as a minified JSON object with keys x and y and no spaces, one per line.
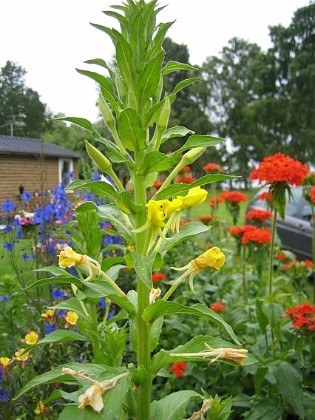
{"x":21,"y":357}
{"x":69,"y":258}
{"x":72,"y":317}
{"x":195,"y":196}
{"x":40,"y":408}
{"x":93,"y":396}
{"x":4,"y":361}
{"x":237,"y":355}
{"x":160,"y":210}
{"x":213,"y":258}
{"x":48,"y":314}
{"x":31,"y":338}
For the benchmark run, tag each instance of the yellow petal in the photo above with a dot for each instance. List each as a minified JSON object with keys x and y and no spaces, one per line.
{"x":195,"y":196}
{"x":213,"y":258}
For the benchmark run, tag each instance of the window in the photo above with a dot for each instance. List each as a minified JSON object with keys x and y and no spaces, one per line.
{"x":65,"y":168}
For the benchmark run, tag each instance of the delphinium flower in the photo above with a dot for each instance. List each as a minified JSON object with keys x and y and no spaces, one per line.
{"x":8,"y":206}
{"x":258,"y":216}
{"x":9,"y":246}
{"x":157,"y":277}
{"x":302,"y":316}
{"x":50,"y":328}
{"x":26,"y":196}
{"x":217,"y":306}
{"x":58,"y":294}
{"x":178,"y":368}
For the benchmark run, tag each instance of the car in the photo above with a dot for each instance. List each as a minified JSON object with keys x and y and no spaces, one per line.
{"x":295,"y":232}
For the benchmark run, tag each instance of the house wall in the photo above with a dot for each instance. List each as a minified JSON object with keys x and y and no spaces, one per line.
{"x":33,"y":173}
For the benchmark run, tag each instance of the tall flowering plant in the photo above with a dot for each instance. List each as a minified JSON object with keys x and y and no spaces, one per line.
{"x":137,"y":116}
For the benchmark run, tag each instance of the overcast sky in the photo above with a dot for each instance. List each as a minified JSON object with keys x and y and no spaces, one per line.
{"x":52,"y":38}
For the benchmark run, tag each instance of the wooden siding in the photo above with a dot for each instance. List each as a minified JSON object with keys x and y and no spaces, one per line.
{"x":33,"y":173}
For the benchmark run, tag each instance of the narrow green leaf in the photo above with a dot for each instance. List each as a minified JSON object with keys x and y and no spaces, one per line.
{"x":116,"y":218}
{"x":58,"y":336}
{"x":87,"y":206}
{"x":82,"y":122}
{"x":181,"y":85}
{"x":132,"y":134}
{"x":197,"y":140}
{"x":110,"y":32}
{"x":149,"y":78}
{"x":185,"y":232}
{"x":56,"y":271}
{"x":178,"y":131}
{"x":173,"y":406}
{"x":55,"y":280}
{"x":143,"y":266}
{"x":172,"y":66}
{"x":159,"y":162}
{"x":162,"y":308}
{"x":124,"y":57}
{"x":71,"y":304}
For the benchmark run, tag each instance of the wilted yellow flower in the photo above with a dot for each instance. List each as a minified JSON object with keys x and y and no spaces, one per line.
{"x":21,"y":357}
{"x":160,"y":210}
{"x":40,"y":408}
{"x":195,"y":196}
{"x":72,"y":317}
{"x":31,"y":338}
{"x":213,"y":258}
{"x":154,"y":294}
{"x":237,"y":355}
{"x":93,"y":396}
{"x":69,"y":258}
{"x":4,"y":361}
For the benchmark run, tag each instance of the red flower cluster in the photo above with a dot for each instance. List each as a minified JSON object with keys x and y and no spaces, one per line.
{"x":178,"y":368}
{"x":156,"y":277}
{"x":266,"y":196}
{"x":214,"y":201}
{"x":299,"y":265}
{"x":218,"y":306}
{"x":233,"y":196}
{"x":257,"y":236}
{"x":259,"y":215}
{"x":213,"y":167}
{"x":185,"y":179}
{"x":280,"y":168}
{"x":185,"y":169}
{"x":303,"y":316}
{"x":238,"y":231}
{"x":206,"y":219}
{"x":157,"y":184}
{"x":312,"y":194}
{"x":281,"y":256}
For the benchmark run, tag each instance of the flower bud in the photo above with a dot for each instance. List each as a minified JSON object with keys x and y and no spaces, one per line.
{"x":98,"y":158}
{"x":164,"y":115}
{"x":192,"y":155}
{"x":107,"y":114}
{"x":121,"y":88}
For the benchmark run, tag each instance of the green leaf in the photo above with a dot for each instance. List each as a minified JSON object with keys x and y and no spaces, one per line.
{"x":116,"y":218}
{"x":132,"y":134}
{"x":158,"y":162}
{"x":176,"y":66}
{"x":111,"y":149}
{"x":196,"y":345}
{"x":59,"y":336}
{"x":87,"y":206}
{"x":55,"y":280}
{"x":178,"y":131}
{"x":197,"y":140}
{"x":71,"y":304}
{"x":56,"y":271}
{"x":181,"y":85}
{"x":143,"y":265}
{"x":149,"y":79}
{"x":124,"y":57}
{"x":162,"y":308}
{"x":290,"y":387}
{"x":185,"y":232}
{"x":173,"y":406}
{"x":261,"y":316}
{"x":82,"y":122}
{"x":156,"y":330}
{"x":123,"y":199}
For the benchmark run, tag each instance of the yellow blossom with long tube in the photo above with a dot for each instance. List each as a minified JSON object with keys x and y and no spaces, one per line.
{"x":212,"y":258}
{"x":69,"y":258}
{"x":160,"y":210}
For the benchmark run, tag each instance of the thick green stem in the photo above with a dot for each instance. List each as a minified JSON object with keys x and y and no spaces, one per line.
{"x":272,"y":246}
{"x":143,"y":328}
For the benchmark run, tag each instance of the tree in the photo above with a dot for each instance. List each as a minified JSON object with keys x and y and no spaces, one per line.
{"x":21,"y":111}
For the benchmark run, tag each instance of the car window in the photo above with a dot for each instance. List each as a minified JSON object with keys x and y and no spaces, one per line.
{"x":306,"y":212}
{"x":293,"y":201}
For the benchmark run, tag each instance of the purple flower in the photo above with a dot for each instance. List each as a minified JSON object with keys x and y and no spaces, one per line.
{"x":7,"y":229}
{"x":8,"y":206}
{"x":95,"y":176}
{"x":25,"y":256}
{"x":50,"y":328}
{"x":26,"y":196}
{"x":4,"y":298}
{"x":4,"y":395}
{"x":8,"y":246}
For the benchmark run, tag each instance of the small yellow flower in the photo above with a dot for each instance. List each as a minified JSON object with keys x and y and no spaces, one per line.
{"x":69,"y":258}
{"x":40,"y":408}
{"x":4,"y":361}
{"x":31,"y":338}
{"x":160,"y":210}
{"x":72,"y":317}
{"x":21,"y":357}
{"x":48,"y":314}
{"x":213,"y":258}
{"x":93,"y":396}
{"x":237,"y":355}
{"x":154,"y":294}
{"x":195,"y":196}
